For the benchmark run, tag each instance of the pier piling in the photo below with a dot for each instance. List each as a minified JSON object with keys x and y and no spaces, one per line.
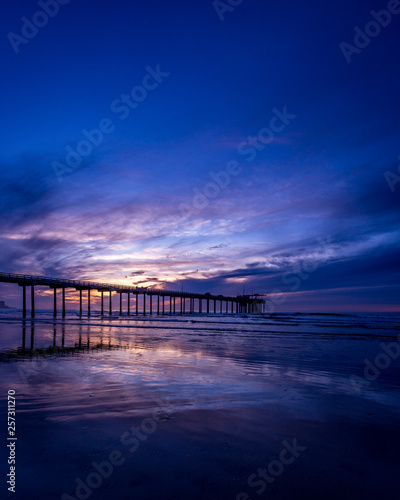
{"x":240,"y":304}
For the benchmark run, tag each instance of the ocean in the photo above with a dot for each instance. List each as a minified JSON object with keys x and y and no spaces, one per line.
{"x":229,"y":407}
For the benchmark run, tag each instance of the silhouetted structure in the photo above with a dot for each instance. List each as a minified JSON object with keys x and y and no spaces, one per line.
{"x":187,"y":300}
{"x":4,"y":306}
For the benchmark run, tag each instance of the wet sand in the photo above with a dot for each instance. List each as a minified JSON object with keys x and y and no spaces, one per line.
{"x":203,"y":407}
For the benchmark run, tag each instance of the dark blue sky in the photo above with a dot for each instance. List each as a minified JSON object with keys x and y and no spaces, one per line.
{"x":263,"y":102}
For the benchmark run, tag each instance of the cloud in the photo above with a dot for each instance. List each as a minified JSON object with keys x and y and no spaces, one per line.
{"x":216,"y":247}
{"x":269,"y":227}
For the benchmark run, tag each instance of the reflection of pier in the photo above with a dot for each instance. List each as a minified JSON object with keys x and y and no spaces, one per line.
{"x":187,"y":301}
{"x":82,"y":345}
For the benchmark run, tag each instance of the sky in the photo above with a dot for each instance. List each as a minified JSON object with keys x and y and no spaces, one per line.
{"x":208,"y":146}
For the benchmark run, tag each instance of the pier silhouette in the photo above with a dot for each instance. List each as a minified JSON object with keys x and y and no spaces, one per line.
{"x":187,"y":302}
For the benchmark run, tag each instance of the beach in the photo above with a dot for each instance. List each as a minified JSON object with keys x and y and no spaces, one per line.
{"x":203,"y":407}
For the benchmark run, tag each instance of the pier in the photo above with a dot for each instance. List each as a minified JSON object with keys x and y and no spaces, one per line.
{"x":147,"y":300}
